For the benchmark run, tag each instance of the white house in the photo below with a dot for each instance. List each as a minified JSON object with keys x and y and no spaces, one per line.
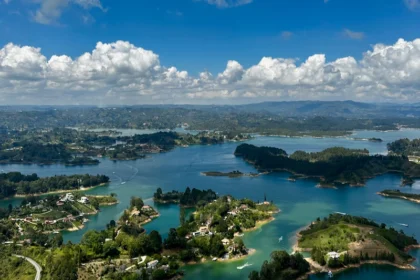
{"x":333,"y":255}
{"x":68,"y":197}
{"x":84,"y":200}
{"x":152,"y":264}
{"x":225,"y":241}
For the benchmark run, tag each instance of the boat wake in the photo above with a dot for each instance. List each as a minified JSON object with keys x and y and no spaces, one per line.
{"x":243,"y":266}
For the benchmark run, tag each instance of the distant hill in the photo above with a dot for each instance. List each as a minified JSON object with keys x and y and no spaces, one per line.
{"x":349,"y":109}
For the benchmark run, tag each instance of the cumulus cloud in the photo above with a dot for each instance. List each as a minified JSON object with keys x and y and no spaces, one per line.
{"x":50,"y":11}
{"x":412,"y":4}
{"x":228,"y":3}
{"x":353,"y":34}
{"x":123,"y":73}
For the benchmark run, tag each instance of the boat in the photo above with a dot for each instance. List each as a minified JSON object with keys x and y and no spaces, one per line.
{"x":243,"y":266}
{"x":280,"y":239}
{"x":404,"y":225}
{"x":122,"y":183}
{"x":330,"y":274}
{"x":341,"y":213}
{"x":214,"y":259}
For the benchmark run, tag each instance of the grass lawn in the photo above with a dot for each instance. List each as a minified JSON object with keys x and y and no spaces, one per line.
{"x":51,"y":215}
{"x":82,"y":207}
{"x":334,"y":238}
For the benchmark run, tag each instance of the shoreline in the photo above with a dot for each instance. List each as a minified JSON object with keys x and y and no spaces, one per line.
{"x":204,"y":260}
{"x":57,"y":191}
{"x":316,"y":268}
{"x":259,"y":224}
{"x":399,"y":197}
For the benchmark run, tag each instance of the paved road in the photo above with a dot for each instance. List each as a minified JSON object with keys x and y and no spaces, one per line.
{"x":35,"y":264}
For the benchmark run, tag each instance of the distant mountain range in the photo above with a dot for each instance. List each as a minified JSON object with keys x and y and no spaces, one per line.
{"x":344,"y":109}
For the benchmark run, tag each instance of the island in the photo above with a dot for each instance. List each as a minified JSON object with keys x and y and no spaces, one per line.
{"x":124,"y":249}
{"x":231,"y":174}
{"x":340,"y":241}
{"x":138,"y":213}
{"x":18,"y":184}
{"x":399,"y":194}
{"x":331,"y":167}
{"x":373,"y":139}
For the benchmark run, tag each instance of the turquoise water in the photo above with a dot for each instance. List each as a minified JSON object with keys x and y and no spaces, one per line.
{"x":300,"y":202}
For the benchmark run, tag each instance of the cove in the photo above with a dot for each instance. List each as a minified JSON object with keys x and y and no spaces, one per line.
{"x":301,"y":202}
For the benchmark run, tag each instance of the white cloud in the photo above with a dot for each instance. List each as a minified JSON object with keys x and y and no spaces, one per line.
{"x":122,"y":73}
{"x":412,"y":4}
{"x":353,"y":34}
{"x":50,"y":10}
{"x":228,"y":3}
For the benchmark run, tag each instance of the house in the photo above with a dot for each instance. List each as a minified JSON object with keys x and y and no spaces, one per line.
{"x":68,"y":197}
{"x":333,"y":255}
{"x":203,"y":230}
{"x":243,"y":207}
{"x":84,"y":200}
{"x":152,"y":264}
{"x":146,"y":208}
{"x":165,"y":267}
{"x":60,"y":203}
{"x":233,"y":212}
{"x":197,"y":233}
{"x":225,"y":241}
{"x":108,"y":239}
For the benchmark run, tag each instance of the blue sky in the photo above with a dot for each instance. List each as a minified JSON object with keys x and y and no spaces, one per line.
{"x":203,"y":35}
{"x":194,"y":35}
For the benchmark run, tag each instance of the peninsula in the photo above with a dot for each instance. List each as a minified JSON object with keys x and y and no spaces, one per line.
{"x":333,"y":166}
{"x":401,"y":195}
{"x":341,"y":241}
{"x":38,"y":216}
{"x":18,"y":184}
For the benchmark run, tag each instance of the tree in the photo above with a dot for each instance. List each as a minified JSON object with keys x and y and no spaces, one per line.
{"x":155,"y":241}
{"x":93,"y":240}
{"x":253,"y":275}
{"x":111,"y":249}
{"x":182,"y":215}
{"x":57,"y":240}
{"x":112,"y":224}
{"x":136,"y":202}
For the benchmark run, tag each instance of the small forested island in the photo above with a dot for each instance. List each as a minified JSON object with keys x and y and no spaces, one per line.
{"x":188,"y":198}
{"x":332,"y":166}
{"x":231,"y":174}
{"x":18,"y":184}
{"x":399,"y":194}
{"x":340,"y":241}
{"x":124,"y":250}
{"x":373,"y":139}
{"x":138,"y":213}
{"x":37,"y":217}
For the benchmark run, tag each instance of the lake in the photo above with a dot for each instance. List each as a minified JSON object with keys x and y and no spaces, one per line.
{"x":300,"y":202}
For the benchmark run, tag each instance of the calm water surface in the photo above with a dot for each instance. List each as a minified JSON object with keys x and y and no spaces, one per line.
{"x":301,"y":202}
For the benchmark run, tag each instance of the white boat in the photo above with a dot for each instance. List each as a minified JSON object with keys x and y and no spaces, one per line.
{"x":280,"y":239}
{"x":330,"y":274}
{"x":341,"y":213}
{"x":214,"y":259}
{"x":243,"y":266}
{"x":123,"y":183}
{"x":404,"y":225}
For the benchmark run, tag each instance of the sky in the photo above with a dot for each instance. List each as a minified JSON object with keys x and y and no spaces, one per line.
{"x":208,"y":51}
